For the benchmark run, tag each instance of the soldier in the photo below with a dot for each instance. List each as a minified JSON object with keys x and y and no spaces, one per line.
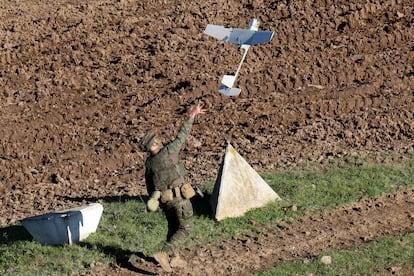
{"x":164,"y":176}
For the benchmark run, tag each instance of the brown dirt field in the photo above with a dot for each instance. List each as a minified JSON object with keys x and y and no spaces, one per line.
{"x":80,"y":81}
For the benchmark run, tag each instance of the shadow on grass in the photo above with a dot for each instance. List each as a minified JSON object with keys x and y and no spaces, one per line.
{"x":201,"y":206}
{"x":11,"y":234}
{"x":15,"y":233}
{"x":122,"y":257}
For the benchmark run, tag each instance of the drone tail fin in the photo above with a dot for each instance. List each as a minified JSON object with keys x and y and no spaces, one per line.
{"x":228,"y":80}
{"x":229,"y":91}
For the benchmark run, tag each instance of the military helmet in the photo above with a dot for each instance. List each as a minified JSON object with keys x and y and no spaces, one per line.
{"x":147,"y":141}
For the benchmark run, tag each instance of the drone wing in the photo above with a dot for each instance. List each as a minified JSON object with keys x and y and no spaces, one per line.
{"x":238,"y":36}
{"x":259,"y":37}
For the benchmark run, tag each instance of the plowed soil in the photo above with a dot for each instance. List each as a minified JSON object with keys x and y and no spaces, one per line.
{"x":81,"y":81}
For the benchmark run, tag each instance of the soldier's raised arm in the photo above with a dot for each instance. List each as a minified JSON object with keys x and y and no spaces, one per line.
{"x":187,"y":125}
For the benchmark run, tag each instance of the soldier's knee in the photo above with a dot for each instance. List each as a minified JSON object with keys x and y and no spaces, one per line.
{"x":185,"y":209}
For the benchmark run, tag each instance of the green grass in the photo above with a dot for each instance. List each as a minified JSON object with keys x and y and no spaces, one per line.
{"x":337,"y":186}
{"x":21,"y":256}
{"x":127,"y":231}
{"x":385,"y":256}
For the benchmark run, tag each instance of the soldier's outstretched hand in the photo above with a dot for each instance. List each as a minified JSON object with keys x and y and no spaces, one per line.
{"x":197,"y":109}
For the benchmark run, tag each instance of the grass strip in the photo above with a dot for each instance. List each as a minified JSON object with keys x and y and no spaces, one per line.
{"x":386,"y":256}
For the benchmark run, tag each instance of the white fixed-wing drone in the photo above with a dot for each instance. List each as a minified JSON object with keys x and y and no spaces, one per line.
{"x":244,"y":38}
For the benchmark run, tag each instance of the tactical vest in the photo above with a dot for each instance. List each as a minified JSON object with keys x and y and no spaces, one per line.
{"x":166,"y":170}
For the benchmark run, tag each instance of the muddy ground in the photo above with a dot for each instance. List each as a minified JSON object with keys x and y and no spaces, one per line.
{"x":81,"y":81}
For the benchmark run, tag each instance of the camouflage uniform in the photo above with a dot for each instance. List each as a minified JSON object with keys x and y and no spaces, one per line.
{"x":165,"y":171}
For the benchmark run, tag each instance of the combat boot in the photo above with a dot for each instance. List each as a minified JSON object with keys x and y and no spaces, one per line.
{"x":164,"y":260}
{"x":178,"y":262}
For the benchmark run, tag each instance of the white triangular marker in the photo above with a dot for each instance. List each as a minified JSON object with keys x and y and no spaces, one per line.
{"x":238,"y":188}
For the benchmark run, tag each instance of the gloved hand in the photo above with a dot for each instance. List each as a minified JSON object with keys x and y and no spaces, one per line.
{"x":153,"y":203}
